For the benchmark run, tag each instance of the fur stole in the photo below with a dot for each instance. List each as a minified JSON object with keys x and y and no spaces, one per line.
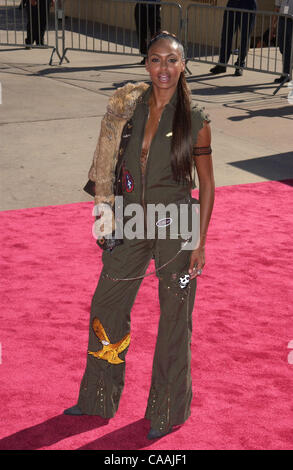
{"x":120,"y":109}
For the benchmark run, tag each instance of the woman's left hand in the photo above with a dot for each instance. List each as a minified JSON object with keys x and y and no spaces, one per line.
{"x":197,"y":262}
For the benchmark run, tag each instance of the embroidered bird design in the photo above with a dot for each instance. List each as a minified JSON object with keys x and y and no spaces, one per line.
{"x":110,"y":351}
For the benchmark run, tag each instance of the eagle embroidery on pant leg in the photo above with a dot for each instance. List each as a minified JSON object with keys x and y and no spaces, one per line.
{"x":110,"y":351}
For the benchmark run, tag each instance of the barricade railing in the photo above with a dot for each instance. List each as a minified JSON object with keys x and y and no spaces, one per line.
{"x":257,"y":40}
{"x":29,"y":24}
{"x":117,"y":26}
{"x":254,"y":40}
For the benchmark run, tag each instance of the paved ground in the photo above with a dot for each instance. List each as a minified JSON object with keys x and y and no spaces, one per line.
{"x":50,"y":117}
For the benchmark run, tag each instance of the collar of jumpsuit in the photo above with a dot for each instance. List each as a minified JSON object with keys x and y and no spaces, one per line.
{"x":147,"y":94}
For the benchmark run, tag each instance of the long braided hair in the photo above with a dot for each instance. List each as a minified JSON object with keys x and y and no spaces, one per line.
{"x":181,"y":146}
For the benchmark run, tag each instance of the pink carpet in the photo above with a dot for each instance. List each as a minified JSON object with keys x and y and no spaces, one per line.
{"x":242,"y":379}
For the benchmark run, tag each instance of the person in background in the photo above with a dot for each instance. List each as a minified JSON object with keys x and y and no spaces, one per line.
{"x":285,"y":36}
{"x":146,"y":16}
{"x":232,"y":22}
{"x":37,"y":12}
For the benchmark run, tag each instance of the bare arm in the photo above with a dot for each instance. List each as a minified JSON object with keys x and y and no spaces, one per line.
{"x":204,"y":168}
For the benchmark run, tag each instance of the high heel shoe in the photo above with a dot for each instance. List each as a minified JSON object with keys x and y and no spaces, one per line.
{"x":154,"y":434}
{"x":73,"y":411}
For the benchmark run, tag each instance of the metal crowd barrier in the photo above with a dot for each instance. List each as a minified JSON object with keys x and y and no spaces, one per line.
{"x":116,"y":26}
{"x":208,"y":32}
{"x":29,"y":24}
{"x":126,"y":26}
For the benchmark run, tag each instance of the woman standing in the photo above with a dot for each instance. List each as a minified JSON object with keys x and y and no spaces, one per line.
{"x":165,"y":135}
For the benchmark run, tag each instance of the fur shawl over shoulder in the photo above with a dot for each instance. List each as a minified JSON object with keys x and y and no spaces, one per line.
{"x":120,"y":109}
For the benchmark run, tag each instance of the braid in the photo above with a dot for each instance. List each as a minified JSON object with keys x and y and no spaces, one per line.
{"x":181,"y":147}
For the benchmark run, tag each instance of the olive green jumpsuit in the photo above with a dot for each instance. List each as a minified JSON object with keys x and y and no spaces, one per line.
{"x":170,"y":393}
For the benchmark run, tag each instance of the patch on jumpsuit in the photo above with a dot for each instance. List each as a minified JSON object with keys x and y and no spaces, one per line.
{"x":127,"y":180}
{"x":178,"y":284}
{"x":164,"y":222}
{"x":110,"y":351}
{"x":184,"y":280}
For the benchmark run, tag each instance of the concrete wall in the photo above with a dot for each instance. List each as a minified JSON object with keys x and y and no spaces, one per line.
{"x":119,"y":13}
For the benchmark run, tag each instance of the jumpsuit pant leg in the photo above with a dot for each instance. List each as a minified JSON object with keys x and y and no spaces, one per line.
{"x":285,"y":38}
{"x":103,"y":381}
{"x":170,"y":393}
{"x":102,"y":384}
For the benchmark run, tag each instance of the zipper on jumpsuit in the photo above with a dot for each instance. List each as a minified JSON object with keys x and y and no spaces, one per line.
{"x":143,"y":175}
